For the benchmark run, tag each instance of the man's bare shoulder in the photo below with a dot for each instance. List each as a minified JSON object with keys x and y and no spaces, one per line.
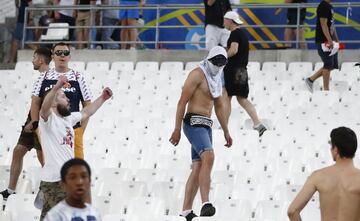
{"x":320,"y":173}
{"x":196,"y":74}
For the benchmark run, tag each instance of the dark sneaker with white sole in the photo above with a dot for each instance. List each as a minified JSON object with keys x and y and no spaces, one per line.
{"x":207,"y":210}
{"x":5,"y":194}
{"x":190,"y":216}
{"x":309,"y":84}
{"x":261,"y":129}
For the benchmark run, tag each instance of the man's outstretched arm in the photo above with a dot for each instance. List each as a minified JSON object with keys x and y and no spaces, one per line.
{"x":91,"y":108}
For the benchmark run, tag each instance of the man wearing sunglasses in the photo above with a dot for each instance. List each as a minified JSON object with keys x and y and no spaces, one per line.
{"x":77,"y":90}
{"x":201,"y":92}
{"x":235,"y":72}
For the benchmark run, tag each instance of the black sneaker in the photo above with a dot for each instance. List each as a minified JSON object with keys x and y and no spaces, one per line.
{"x":5,"y":194}
{"x":261,"y":129}
{"x":309,"y":84}
{"x":207,"y":210}
{"x":190,"y":216}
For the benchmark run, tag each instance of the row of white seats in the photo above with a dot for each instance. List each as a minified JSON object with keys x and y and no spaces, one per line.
{"x":137,"y":208}
{"x":176,"y":66}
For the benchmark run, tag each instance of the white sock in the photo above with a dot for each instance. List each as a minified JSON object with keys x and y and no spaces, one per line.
{"x":10,"y":191}
{"x":257,"y":125}
{"x":185,"y":212}
{"x":205,"y":203}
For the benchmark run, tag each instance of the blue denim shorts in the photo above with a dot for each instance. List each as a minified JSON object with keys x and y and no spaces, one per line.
{"x":200,"y":139}
{"x":129,"y":13}
{"x":330,"y":62}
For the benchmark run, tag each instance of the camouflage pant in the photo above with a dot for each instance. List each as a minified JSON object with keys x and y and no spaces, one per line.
{"x":53,"y":193}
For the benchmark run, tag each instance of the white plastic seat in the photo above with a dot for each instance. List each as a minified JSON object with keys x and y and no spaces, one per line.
{"x":339,"y":86}
{"x":129,"y":189}
{"x":33,"y":215}
{"x":274,"y":66}
{"x":19,"y":203}
{"x":253,"y":67}
{"x":150,"y":175}
{"x":191,"y":65}
{"x":121,"y":217}
{"x":296,"y":98}
{"x":173,"y":163}
{"x":5,"y":215}
{"x":114,"y":174}
{"x":95,"y":66}
{"x":350,"y":68}
{"x":300,"y":67}
{"x":325,"y":98}
{"x":146,"y":206}
{"x":275,"y":210}
{"x":220,"y":191}
{"x":122,"y":66}
{"x":170,"y":218}
{"x":172,"y":66}
{"x":214,"y":218}
{"x":263,"y":76}
{"x":251,"y":192}
{"x":168,"y":191}
{"x":231,"y":209}
{"x":147,"y":66}
{"x":349,"y":77}
{"x":24,"y":66}
{"x":56,"y":31}
{"x":101,"y":203}
{"x":77,"y":65}
{"x":286,"y":193}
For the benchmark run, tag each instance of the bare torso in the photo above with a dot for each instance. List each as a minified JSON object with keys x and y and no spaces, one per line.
{"x":339,"y":188}
{"x":201,"y":102}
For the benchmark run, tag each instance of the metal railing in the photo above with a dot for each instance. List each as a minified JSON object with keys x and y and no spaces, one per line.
{"x":348,"y":6}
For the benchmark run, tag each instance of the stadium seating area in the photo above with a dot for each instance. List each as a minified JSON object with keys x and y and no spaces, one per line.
{"x":138,"y":175}
{"x":7,"y":10}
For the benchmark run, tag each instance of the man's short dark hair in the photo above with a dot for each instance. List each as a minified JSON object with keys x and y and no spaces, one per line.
{"x":45,"y":53}
{"x":73,"y":162}
{"x":60,"y":44}
{"x":345,"y":140}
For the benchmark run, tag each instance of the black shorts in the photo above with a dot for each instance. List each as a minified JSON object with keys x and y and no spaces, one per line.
{"x":292,"y":18}
{"x":29,"y":140}
{"x":236,"y":81}
{"x":330,"y":62}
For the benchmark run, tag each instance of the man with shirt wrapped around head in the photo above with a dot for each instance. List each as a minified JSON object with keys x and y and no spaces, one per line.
{"x":201,"y":92}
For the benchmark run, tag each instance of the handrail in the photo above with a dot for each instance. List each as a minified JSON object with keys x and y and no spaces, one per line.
{"x":158,"y":27}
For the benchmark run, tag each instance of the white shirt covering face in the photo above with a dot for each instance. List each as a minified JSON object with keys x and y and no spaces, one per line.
{"x":57,"y":141}
{"x":63,"y":212}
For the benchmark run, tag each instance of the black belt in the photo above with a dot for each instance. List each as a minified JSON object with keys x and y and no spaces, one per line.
{"x":197,"y":120}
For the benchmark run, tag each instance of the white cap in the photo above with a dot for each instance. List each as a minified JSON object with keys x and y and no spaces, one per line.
{"x":217,"y":50}
{"x":233,"y":16}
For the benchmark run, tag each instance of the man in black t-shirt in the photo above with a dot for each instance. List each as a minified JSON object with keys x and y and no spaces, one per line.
{"x":235,"y":72}
{"x":215,"y":32}
{"x":325,"y":33}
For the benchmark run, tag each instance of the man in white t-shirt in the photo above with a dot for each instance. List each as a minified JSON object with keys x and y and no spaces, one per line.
{"x":57,"y":137}
{"x":75,"y":179}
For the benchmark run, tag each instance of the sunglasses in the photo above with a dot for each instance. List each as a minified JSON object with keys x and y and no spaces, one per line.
{"x":62,"y":52}
{"x":218,"y":60}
